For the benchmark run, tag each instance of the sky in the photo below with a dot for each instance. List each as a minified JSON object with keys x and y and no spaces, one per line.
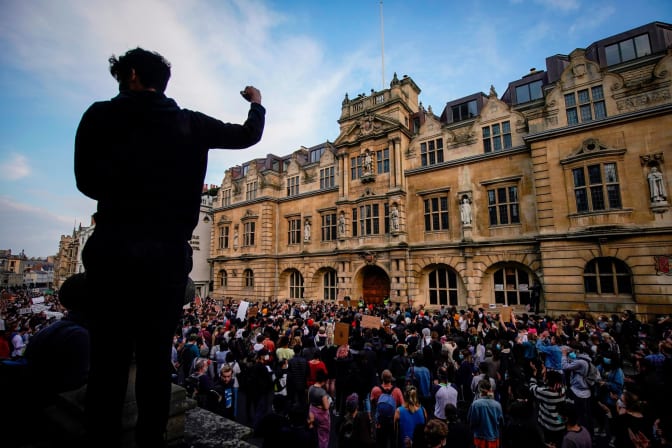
{"x":303,"y":55}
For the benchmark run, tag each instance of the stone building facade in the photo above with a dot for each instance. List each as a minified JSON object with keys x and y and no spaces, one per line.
{"x":559,"y":187}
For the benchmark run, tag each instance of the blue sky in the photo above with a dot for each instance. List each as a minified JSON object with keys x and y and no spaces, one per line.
{"x":303,"y":56}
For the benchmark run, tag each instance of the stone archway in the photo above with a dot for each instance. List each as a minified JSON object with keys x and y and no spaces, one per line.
{"x":375,"y":284}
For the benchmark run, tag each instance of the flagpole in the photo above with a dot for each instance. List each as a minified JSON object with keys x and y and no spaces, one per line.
{"x":382,"y":41}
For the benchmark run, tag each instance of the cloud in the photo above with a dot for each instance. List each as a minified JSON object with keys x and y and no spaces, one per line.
{"x":14,"y":167}
{"x":593,"y":19}
{"x":561,"y":5}
{"x":33,"y":229}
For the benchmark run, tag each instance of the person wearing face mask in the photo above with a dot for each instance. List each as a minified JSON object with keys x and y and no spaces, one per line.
{"x":610,"y":386}
{"x":464,"y":375}
{"x":630,"y":417}
{"x":576,"y":365}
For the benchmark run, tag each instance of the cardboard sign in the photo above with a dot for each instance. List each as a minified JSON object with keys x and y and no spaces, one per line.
{"x":341,"y":333}
{"x":370,"y":322}
{"x":252,"y":311}
{"x":506,"y":313}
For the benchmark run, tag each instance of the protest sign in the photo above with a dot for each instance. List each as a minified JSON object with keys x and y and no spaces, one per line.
{"x":370,"y":322}
{"x":341,"y":333}
{"x":242,"y":310}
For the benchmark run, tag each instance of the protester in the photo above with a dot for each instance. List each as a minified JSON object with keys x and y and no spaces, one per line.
{"x":408,"y":417}
{"x":355,"y":429}
{"x":320,"y":403}
{"x":576,"y":435}
{"x":385,"y":399}
{"x":141,"y":144}
{"x":485,"y":417}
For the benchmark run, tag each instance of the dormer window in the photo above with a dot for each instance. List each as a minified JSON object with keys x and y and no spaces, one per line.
{"x":465,"y":111}
{"x":315,"y":155}
{"x":627,"y":50}
{"x":529,"y":92}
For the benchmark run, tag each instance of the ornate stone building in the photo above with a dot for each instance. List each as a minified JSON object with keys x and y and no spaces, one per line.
{"x":560,"y":186}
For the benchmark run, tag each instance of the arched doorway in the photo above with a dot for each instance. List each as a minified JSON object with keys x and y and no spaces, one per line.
{"x":375,"y":284}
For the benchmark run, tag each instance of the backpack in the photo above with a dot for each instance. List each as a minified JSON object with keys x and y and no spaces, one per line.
{"x":412,"y":380}
{"x":593,"y":375}
{"x":191,"y":384}
{"x":386,"y":407}
{"x":258,"y":381}
{"x":347,"y":429}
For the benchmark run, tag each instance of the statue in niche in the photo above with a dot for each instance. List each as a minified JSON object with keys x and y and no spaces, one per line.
{"x":368,"y":162}
{"x":465,"y":210}
{"x":341,"y":224}
{"x":235,"y":238}
{"x":394,"y":217}
{"x":306,"y":231}
{"x":657,"y":185}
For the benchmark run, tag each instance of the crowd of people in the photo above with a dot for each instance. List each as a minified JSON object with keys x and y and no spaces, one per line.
{"x":322,"y":374}
{"x":421,"y":377}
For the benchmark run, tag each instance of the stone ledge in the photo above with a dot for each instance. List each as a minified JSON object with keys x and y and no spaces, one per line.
{"x":203,"y":429}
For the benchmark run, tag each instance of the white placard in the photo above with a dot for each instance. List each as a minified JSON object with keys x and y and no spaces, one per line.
{"x":242,"y":310}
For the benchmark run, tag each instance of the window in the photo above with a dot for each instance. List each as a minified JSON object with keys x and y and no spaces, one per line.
{"x":511,"y":286}
{"x":223,"y":237}
{"x":589,"y":106}
{"x":368,"y":222}
{"x":431,"y":152}
{"x":503,"y":206}
{"x":607,"y":276}
{"x":465,"y":111}
{"x":226,"y":197}
{"x":294,"y":231}
{"x":329,"y":227}
{"x":295,"y":285}
{"x":223,"y":278}
{"x":529,"y":92}
{"x":246,"y":169}
{"x":442,"y":287}
{"x":383,"y":161}
{"x":596,"y":188}
{"x":248,"y":234}
{"x":356,"y":164}
{"x":248,"y":275}
{"x":330,"y":286}
{"x":327,"y":178}
{"x":436,"y":213}
{"x":251,"y":191}
{"x":497,"y":137}
{"x":292,"y":186}
{"x":628,"y":49}
{"x":315,"y":154}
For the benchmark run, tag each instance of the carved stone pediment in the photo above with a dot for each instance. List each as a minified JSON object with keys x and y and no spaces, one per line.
{"x":365,"y":126}
{"x":590,"y":148}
